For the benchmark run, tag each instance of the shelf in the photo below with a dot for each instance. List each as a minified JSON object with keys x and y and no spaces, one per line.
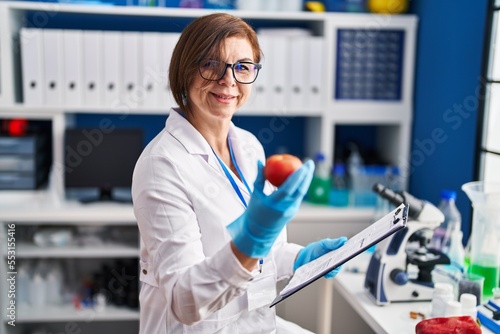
{"x":44,"y":208}
{"x":48,"y":112}
{"x":361,"y":112}
{"x":65,"y":313}
{"x":34,"y":207}
{"x":45,"y":113}
{"x":162,"y":11}
{"x":310,"y":212}
{"x":29,"y":250}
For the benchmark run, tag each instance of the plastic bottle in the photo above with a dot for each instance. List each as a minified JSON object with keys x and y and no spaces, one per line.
{"x":442,"y":294}
{"x":452,"y":219}
{"x":339,"y":192}
{"x":354,"y":161}
{"x":354,"y":169}
{"x":456,"y":251}
{"x":38,"y":291}
{"x":54,"y":284}
{"x":469,"y":302}
{"x":319,"y":190}
{"x":453,"y":309}
{"x":23,"y":285}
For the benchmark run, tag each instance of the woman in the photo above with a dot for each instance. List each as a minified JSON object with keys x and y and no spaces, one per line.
{"x":213,"y":246}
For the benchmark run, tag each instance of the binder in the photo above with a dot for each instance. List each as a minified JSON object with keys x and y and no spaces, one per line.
{"x":72,"y":86}
{"x":277,"y":66}
{"x":133,"y":90}
{"x":151,"y":78}
{"x":315,"y":93}
{"x":112,"y":60}
{"x":32,"y":65}
{"x":261,"y":87}
{"x":52,"y":62}
{"x":298,"y":71}
{"x":168,"y":42}
{"x":92,"y":68}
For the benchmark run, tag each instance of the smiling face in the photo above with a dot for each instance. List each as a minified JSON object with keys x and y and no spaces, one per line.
{"x":218,"y":100}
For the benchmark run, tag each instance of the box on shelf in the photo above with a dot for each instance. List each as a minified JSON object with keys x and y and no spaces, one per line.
{"x":24,"y":161}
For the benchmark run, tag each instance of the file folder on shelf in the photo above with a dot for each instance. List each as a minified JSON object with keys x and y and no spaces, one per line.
{"x":315,"y":92}
{"x":168,"y":42}
{"x":32,"y":65}
{"x":277,"y":66}
{"x":151,"y":77}
{"x":112,"y":60}
{"x":92,"y":68}
{"x":52,"y":60}
{"x":133,"y":93}
{"x":298,"y":66}
{"x":260,"y":96}
{"x":72,"y":86}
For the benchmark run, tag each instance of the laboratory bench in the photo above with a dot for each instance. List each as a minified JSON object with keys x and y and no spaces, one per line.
{"x":353,"y":310}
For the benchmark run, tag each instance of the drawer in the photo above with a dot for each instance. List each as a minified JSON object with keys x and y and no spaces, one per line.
{"x":21,"y":145}
{"x":15,"y":163}
{"x":16,"y":180}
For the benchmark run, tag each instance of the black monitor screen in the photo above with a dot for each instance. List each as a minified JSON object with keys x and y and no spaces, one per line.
{"x":101,"y":158}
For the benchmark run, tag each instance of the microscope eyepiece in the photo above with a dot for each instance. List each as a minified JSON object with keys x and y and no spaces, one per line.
{"x":396,"y":198}
{"x":388,"y":194}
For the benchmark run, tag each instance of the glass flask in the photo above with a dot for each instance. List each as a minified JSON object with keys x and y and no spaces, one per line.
{"x":485,"y":236}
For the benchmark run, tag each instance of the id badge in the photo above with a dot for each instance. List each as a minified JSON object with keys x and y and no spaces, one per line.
{"x":261,"y":292}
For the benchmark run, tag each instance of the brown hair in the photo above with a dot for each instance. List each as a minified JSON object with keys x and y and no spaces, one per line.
{"x":203,"y":39}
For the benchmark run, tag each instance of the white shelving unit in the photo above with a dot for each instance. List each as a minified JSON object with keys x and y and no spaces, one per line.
{"x":391,"y":117}
{"x":53,"y":314}
{"x":37,"y":209}
{"x":113,"y":250}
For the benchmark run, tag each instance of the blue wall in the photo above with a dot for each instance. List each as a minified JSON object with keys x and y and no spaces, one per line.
{"x":447,"y":78}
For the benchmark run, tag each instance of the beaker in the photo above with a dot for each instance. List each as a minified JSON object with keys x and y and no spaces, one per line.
{"x":485,"y":236}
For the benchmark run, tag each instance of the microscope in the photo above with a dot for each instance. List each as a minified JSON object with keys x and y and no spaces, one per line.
{"x":400,"y":269}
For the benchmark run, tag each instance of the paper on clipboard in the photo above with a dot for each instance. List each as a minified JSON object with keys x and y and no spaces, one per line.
{"x":376,"y":232}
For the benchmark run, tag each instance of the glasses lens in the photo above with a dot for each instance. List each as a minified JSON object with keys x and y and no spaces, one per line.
{"x":212,"y":70}
{"x":245,"y":72}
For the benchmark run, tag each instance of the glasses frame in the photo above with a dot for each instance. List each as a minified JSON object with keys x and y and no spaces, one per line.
{"x":231,"y":66}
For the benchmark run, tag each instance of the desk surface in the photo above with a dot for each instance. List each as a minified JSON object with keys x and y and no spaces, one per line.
{"x":393,"y":318}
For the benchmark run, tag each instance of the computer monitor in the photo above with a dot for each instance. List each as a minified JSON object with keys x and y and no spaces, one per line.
{"x":101,"y":158}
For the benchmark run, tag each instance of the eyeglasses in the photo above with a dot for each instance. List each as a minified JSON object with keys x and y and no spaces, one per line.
{"x":244,"y":72}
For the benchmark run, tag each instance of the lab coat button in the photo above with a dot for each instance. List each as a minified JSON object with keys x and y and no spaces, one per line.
{"x":144,"y":271}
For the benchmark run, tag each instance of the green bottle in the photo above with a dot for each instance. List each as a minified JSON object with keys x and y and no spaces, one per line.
{"x":319,"y":190}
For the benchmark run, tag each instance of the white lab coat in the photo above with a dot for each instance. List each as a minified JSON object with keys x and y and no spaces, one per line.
{"x":183,"y":201}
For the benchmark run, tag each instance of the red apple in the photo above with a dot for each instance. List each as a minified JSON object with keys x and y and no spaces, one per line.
{"x":279,"y":166}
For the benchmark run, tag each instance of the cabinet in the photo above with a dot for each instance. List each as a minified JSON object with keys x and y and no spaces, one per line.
{"x":365,"y":79}
{"x":80,"y":259}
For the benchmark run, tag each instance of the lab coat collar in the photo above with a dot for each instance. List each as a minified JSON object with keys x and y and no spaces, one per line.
{"x":195,"y":143}
{"x":186,"y":134}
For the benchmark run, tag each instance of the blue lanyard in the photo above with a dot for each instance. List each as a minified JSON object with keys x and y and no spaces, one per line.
{"x":233,"y":183}
{"x":229,"y":176}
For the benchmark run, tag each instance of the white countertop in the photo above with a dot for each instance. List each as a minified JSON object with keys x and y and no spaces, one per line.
{"x":392,"y":318}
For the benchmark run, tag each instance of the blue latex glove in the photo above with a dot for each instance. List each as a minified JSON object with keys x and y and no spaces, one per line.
{"x":317,"y":249}
{"x":255,"y":231}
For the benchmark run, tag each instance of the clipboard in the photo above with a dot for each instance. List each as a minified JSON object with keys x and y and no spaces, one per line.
{"x":376,"y":232}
